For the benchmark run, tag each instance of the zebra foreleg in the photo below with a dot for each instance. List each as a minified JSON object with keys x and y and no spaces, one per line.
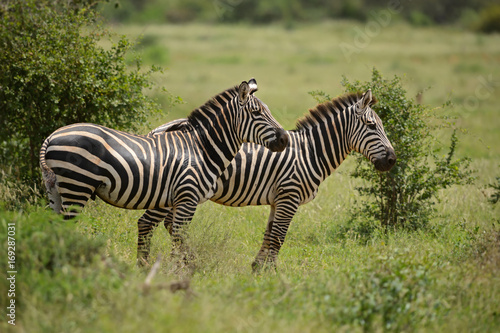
{"x":146,"y":225}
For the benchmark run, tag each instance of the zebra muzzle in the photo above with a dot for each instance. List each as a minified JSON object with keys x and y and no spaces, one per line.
{"x":280,"y":143}
{"x":387,"y":162}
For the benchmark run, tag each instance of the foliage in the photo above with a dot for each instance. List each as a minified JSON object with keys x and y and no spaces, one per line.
{"x":55,"y":265}
{"x":419,"y":19}
{"x":396,"y":294}
{"x":15,"y":195}
{"x":418,"y":12}
{"x":53,"y":72}
{"x":489,"y":19}
{"x":404,"y":196}
{"x":495,"y":196}
{"x":320,"y":96}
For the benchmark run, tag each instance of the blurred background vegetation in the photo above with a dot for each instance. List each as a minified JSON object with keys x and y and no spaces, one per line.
{"x":482,"y":15}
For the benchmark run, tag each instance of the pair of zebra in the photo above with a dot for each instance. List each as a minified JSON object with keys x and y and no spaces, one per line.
{"x":230,"y":150}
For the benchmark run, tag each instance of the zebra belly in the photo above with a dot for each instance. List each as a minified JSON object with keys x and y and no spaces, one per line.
{"x":309,"y":198}
{"x":255,"y":194}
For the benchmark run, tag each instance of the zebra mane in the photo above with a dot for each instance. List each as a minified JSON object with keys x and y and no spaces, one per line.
{"x":213,"y":104}
{"x":335,"y":106}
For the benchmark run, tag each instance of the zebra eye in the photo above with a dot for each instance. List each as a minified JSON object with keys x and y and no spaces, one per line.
{"x":256,"y":112}
{"x":372,"y":126}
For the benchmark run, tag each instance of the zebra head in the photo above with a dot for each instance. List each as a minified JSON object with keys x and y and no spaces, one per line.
{"x":369,"y":137}
{"x":255,"y":123}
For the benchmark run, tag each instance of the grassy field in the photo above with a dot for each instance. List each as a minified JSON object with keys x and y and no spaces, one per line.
{"x":445,"y":279}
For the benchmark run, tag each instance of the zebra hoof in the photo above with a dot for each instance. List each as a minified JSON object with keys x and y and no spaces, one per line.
{"x":263,"y":265}
{"x":142,"y":263}
{"x":257,"y":266}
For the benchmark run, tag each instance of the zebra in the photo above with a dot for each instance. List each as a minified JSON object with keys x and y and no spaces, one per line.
{"x":320,"y":143}
{"x":175,"y":169}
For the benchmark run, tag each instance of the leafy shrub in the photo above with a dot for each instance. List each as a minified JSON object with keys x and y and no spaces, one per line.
{"x":468,"y":19}
{"x":59,"y":269}
{"x":15,"y":195}
{"x":495,"y":196}
{"x":396,"y":296}
{"x":489,"y":19}
{"x":53,"y":73}
{"x":419,"y":19}
{"x":353,"y":9}
{"x":403,"y":197}
{"x":422,"y":12}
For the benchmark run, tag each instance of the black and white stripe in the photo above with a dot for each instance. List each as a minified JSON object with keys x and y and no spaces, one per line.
{"x":285,"y":180}
{"x":176,"y":169}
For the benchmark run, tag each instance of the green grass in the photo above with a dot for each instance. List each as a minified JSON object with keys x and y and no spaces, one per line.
{"x":330,"y":276}
{"x":445,"y":279}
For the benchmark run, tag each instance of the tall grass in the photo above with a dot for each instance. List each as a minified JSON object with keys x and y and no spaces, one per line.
{"x":444,"y":279}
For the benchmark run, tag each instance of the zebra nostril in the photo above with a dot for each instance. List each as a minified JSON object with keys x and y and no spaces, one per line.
{"x":280,"y":142}
{"x":391,"y":158}
{"x":282,"y":138}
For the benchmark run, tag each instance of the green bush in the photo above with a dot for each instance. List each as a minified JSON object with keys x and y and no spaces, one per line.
{"x":53,"y":73}
{"x":16,"y":195}
{"x":489,"y":19}
{"x":404,"y":196}
{"x":495,"y":196}
{"x":289,"y":12}
{"x":396,"y":295}
{"x":59,"y":270}
{"x":419,"y":19}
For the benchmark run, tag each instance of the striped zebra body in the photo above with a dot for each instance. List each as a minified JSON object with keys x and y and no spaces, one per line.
{"x":176,"y":169}
{"x":125,"y":170}
{"x":256,"y":178}
{"x":286,"y":180}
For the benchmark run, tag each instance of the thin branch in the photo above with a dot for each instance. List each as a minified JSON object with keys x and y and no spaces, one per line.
{"x":173,"y":286}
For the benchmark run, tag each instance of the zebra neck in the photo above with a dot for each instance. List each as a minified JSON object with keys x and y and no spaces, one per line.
{"x":217,"y":139}
{"x":328,"y":142}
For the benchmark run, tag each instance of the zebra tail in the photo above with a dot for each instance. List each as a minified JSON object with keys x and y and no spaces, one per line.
{"x":49,"y":178}
{"x":48,"y":174}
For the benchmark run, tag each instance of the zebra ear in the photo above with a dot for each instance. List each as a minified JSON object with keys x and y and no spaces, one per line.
{"x":244,"y":92}
{"x":366,"y":99}
{"x":253,"y":86}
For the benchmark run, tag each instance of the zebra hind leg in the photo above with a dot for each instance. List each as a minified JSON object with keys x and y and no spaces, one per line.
{"x":72,"y":203}
{"x":182,"y":215}
{"x":67,"y":199}
{"x":261,"y":258}
{"x":279,"y":221}
{"x":147,"y":224}
{"x":168,"y":223}
{"x":55,"y":201}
